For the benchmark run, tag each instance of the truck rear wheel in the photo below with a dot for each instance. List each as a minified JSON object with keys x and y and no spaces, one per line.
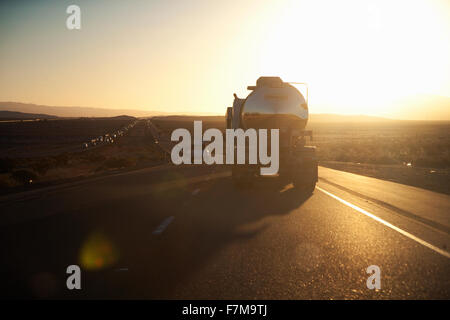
{"x":305,"y":180}
{"x":305,"y":185}
{"x":305,"y":173}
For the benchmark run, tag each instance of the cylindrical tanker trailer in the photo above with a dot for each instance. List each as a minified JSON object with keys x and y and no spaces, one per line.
{"x":274,"y":104}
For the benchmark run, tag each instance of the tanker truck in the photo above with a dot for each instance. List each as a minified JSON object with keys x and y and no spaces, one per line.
{"x":274,"y":104}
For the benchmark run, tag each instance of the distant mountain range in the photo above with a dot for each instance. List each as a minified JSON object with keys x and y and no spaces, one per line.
{"x":419,"y":107}
{"x":14,"y":115}
{"x":70,"y":112}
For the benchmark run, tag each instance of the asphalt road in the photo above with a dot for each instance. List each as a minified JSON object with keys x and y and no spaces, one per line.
{"x":186,"y":232}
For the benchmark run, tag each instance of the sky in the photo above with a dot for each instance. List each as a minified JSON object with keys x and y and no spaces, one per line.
{"x":358,"y":57}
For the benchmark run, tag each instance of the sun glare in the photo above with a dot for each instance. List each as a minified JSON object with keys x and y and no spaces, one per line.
{"x":360,"y":55}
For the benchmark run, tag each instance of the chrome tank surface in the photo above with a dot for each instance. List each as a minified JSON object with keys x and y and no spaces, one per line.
{"x":282,"y":107}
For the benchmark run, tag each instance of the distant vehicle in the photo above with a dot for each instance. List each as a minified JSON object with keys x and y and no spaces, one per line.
{"x":274,"y":104}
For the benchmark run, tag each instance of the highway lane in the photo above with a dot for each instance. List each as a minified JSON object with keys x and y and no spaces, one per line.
{"x":185,"y":232}
{"x":427,"y":206}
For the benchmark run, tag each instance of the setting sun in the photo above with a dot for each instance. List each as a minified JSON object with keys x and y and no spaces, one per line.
{"x":361,"y":55}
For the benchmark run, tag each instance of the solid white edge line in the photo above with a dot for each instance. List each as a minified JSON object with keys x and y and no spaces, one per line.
{"x":387,"y":224}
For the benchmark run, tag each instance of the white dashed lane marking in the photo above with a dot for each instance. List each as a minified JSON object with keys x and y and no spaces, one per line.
{"x":163,"y":225}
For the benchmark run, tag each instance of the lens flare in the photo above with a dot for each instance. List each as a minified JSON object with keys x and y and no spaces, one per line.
{"x":98,"y":252}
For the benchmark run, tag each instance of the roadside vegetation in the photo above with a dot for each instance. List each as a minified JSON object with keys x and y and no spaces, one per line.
{"x":134,"y":149}
{"x":409,"y":143}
